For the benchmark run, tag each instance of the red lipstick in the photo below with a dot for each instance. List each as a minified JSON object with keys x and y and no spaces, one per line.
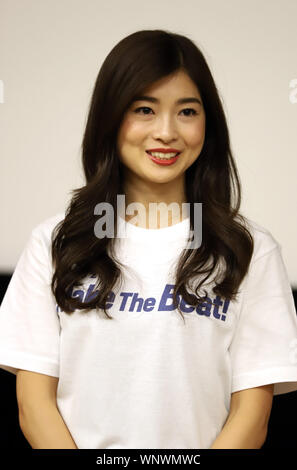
{"x":164,"y":150}
{"x":163,"y":162}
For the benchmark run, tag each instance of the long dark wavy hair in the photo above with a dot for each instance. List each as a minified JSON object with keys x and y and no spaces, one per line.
{"x":135,"y":63}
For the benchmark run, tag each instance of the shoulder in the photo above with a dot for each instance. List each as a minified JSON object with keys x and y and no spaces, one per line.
{"x":264,"y":241}
{"x":34,"y":262}
{"x":266,"y":270}
{"x":44,"y":229}
{"x":40,"y":239}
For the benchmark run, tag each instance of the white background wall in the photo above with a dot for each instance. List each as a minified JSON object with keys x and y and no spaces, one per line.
{"x":50,"y":55}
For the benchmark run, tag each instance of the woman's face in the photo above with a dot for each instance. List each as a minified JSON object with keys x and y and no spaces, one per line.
{"x":161,"y":122}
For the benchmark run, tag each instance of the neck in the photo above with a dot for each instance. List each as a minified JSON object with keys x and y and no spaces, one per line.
{"x":153,"y":200}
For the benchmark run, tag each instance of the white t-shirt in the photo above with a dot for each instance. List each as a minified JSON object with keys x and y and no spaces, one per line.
{"x":145,"y":379}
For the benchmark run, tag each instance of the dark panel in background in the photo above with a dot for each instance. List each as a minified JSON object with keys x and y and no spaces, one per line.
{"x":282,"y":432}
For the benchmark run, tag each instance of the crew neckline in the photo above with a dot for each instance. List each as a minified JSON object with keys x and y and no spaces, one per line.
{"x":172,"y":232}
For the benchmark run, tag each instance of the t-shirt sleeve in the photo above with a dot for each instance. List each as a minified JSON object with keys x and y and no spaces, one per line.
{"x":264,"y":346}
{"x":29,"y":323}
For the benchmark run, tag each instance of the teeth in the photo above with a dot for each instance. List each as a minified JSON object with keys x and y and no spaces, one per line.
{"x":163,"y":156}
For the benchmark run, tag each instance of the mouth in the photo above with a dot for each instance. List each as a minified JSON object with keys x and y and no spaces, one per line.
{"x":163,"y":158}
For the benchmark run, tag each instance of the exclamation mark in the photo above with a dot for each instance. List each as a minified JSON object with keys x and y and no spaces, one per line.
{"x":225,"y":308}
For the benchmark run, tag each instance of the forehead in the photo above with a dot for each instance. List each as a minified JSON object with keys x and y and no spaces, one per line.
{"x":177,"y":83}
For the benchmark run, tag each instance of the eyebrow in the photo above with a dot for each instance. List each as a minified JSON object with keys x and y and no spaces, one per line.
{"x":155,"y":100}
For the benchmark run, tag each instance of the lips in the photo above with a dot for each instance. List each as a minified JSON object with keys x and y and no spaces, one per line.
{"x":164,"y":161}
{"x":163,"y":150}
{"x":160,"y":153}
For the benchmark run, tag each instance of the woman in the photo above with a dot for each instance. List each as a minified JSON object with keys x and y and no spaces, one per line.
{"x":135,"y":339}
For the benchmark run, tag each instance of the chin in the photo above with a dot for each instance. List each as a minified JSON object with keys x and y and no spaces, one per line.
{"x":161,"y":179}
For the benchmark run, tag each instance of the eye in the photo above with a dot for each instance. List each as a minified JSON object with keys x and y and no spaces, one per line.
{"x":138,"y":110}
{"x":193,"y":112}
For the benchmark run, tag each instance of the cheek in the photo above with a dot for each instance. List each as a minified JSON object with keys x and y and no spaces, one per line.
{"x":195,"y":135}
{"x":131,"y":132}
{"x":195,"y":139}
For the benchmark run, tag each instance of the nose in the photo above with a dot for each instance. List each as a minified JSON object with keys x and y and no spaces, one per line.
{"x":165,"y":129}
